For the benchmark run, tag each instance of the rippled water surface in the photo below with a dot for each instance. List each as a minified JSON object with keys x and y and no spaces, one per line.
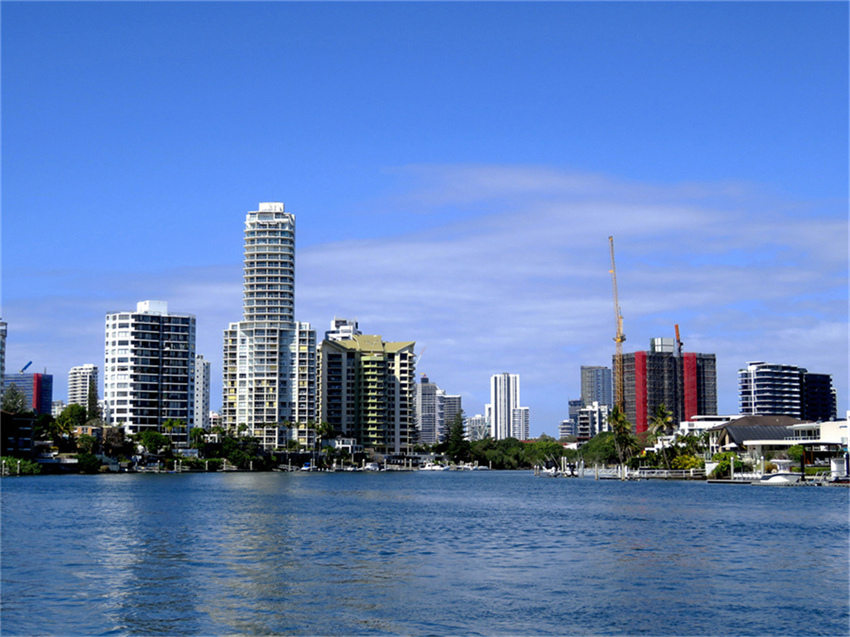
{"x":473,"y":553}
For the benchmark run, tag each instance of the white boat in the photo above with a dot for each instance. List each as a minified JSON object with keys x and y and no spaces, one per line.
{"x":779,"y":478}
{"x":371,"y":466}
{"x":430,"y":466}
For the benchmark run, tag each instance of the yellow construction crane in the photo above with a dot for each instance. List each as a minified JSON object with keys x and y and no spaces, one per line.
{"x":619,"y":381}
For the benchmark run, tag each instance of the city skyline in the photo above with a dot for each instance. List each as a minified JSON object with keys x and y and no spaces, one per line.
{"x":455,"y":169}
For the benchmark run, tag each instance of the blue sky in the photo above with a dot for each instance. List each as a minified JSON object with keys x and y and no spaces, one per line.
{"x":455,"y":170}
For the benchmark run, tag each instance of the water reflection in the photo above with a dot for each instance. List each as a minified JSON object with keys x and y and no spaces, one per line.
{"x":492,"y":554}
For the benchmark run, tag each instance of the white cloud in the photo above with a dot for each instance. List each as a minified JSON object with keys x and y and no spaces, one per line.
{"x":513,"y":276}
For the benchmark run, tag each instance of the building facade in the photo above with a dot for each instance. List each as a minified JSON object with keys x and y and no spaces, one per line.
{"x":592,"y":420}
{"x":81,"y":380}
{"x":266,"y":377}
{"x":367,"y":389}
{"x":477,"y":427}
{"x":504,"y":412}
{"x":149,"y":370}
{"x":342,"y":330}
{"x":685,"y":384}
{"x":37,"y":388}
{"x":435,"y":412}
{"x":202,"y":392}
{"x":786,"y":390}
{"x":520,"y":423}
{"x":596,"y":386}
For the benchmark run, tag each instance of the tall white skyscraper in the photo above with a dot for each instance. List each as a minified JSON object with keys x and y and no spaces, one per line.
{"x":79,"y":381}
{"x":504,"y":411}
{"x":149,"y":369}
{"x":202,"y":392}
{"x":520,"y":423}
{"x":262,"y":356}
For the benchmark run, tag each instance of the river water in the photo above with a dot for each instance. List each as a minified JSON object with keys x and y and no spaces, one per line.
{"x":427,"y":553}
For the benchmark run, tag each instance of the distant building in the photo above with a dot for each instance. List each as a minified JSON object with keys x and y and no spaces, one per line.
{"x":596,"y":386}
{"x":202,"y":392}
{"x":452,"y":406}
{"x":80,"y":381}
{"x":567,"y":428}
{"x":342,"y":330}
{"x":787,"y":390}
{"x":697,"y":425}
{"x":367,"y":390}
{"x":685,"y":384}
{"x":477,"y":427}
{"x":57,"y":408}
{"x":435,"y":411}
{"x":592,"y":420}
{"x":37,"y":388}
{"x":505,"y":422}
{"x":149,"y":369}
{"x":520,"y":423}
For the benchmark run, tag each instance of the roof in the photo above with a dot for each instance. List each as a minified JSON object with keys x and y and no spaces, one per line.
{"x":368,"y":343}
{"x":742,"y":434}
{"x":759,"y":421}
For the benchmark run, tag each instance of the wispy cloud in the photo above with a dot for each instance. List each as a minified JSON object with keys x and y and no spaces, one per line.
{"x":512,"y":275}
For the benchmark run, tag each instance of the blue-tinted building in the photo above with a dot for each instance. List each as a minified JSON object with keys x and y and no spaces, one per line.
{"x":38,"y":388}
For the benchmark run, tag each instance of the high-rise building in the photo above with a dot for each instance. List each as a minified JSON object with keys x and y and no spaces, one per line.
{"x":685,"y":384}
{"x":819,"y":398}
{"x":202,"y":392}
{"x":596,"y":386}
{"x":786,"y":390}
{"x":505,"y":422}
{"x":37,"y":388}
{"x":477,"y":427}
{"x":81,"y":379}
{"x":428,"y":412}
{"x":266,"y":379}
{"x":149,"y":370}
{"x":592,"y":420}
{"x":305,"y":383}
{"x":367,"y":391}
{"x":452,"y":406}
{"x":520,"y":423}
{"x":435,"y":411}
{"x":567,"y":428}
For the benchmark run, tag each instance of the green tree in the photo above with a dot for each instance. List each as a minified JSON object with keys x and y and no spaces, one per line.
{"x":601,"y":449}
{"x":197,"y":435}
{"x":92,"y":408}
{"x":72,"y":416}
{"x":624,"y":441}
{"x":86,"y":443}
{"x":458,"y":447}
{"x":15,"y":401}
{"x":88,"y":463}
{"x":115,"y":443}
{"x":28,"y":467}
{"x":795,"y":453}
{"x":661,"y":424}
{"x":153,"y":441}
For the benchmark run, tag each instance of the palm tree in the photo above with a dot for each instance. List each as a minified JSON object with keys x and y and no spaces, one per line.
{"x":661,"y":425}
{"x":624,"y":442}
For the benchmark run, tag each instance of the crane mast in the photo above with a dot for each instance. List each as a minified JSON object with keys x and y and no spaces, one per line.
{"x":619,"y":381}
